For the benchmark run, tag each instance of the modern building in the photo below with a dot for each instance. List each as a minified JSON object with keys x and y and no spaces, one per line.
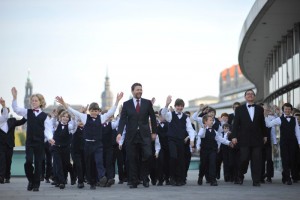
{"x":203,"y":100}
{"x":269,"y":50}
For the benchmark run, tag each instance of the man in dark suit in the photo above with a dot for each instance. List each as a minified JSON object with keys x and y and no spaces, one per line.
{"x":249,"y":130}
{"x":7,"y":143}
{"x":135,"y":115}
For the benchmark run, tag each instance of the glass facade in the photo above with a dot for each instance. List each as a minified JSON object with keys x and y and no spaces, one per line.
{"x":283,"y":71}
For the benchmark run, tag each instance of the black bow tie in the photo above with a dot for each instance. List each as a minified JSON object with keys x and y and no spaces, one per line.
{"x":210,"y":129}
{"x":161,"y":122}
{"x":178,"y":113}
{"x":253,"y":105}
{"x":35,"y":110}
{"x":288,"y":117}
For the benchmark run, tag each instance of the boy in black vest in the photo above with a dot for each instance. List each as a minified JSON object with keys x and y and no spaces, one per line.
{"x":163,"y":169}
{"x":179,"y":124}
{"x":39,"y":126}
{"x":93,"y":147}
{"x":289,"y":142}
{"x":107,"y":129}
{"x":208,"y":150}
{"x":7,"y":141}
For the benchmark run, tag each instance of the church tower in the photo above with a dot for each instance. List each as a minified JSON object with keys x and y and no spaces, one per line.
{"x":28,"y":92}
{"x":107,"y":96}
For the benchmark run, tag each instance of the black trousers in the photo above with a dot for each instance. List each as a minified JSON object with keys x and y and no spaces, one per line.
{"x":288,"y":159}
{"x":254,"y":155}
{"x":138,"y":152}
{"x":208,"y":160}
{"x":6,"y":153}
{"x":234,"y":163}
{"x":225,"y":156}
{"x":61,"y":158}
{"x":119,"y":158}
{"x":78,"y":164}
{"x":93,"y":152}
{"x":267,"y":162}
{"x":219,"y":161}
{"x":47,"y":161}
{"x":33,"y":163}
{"x":187,"y":158}
{"x":177,"y":161}
{"x":163,"y":163}
{"x":108,"y":161}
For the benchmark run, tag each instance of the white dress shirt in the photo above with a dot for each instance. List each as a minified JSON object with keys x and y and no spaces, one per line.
{"x":48,"y":132}
{"x":167,"y":115}
{"x":3,"y":120}
{"x":250,"y":111}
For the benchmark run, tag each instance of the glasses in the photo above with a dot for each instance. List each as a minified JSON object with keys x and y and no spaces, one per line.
{"x":250,"y":94}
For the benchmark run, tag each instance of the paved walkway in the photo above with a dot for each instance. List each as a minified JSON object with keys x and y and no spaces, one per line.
{"x":17,"y":190}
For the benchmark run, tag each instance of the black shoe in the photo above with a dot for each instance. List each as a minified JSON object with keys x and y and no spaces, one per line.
{"x":262,"y":181}
{"x":93,"y":187}
{"x":159,"y":183}
{"x":62,"y":186}
{"x":42,"y":178}
{"x":146,"y":183}
{"x":47,"y":180}
{"x":35,"y":189}
{"x":289,"y":182}
{"x":1,"y":180}
{"x":120,"y":182}
{"x":241,"y":180}
{"x":110,"y":182}
{"x":7,"y":180}
{"x":167,"y":182}
{"x":153,"y":182}
{"x":73,"y":181}
{"x":214,"y":183}
{"x":256,"y":184}
{"x":102,"y":182}
{"x":80,"y":185}
{"x":172,"y":182}
{"x":200,"y":182}
{"x":29,"y":186}
{"x":180,"y":183}
{"x":134,"y":185}
{"x":269,"y":180}
{"x":54,"y":183}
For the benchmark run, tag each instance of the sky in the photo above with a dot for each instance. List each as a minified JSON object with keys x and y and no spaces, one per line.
{"x":172,"y":47}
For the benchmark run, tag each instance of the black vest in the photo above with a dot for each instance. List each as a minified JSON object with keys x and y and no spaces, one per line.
{"x":77,"y":140}
{"x":162,"y":134}
{"x":209,"y":142}
{"x":287,"y":129}
{"x":177,"y":127}
{"x":107,"y":133}
{"x":35,"y":128}
{"x":62,"y":136}
{"x":93,"y":129}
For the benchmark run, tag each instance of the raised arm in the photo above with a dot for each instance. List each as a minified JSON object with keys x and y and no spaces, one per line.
{"x":20,"y":111}
{"x":165,"y":112}
{"x":4,"y":115}
{"x":113,"y":109}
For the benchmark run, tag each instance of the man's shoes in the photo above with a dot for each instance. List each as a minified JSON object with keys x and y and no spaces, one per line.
{"x":7,"y":180}
{"x":262,"y":181}
{"x":35,"y":189}
{"x":42,"y":178}
{"x":160,"y":183}
{"x":133,"y":185}
{"x":110,"y":182}
{"x":241,"y":180}
{"x":214,"y":183}
{"x":80,"y":185}
{"x":256,"y":184}
{"x":29,"y":186}
{"x":93,"y":187}
{"x":1,"y":180}
{"x":146,"y":183}
{"x":73,"y":181}
{"x":269,"y":180}
{"x":153,"y":182}
{"x":47,"y":180}
{"x":62,"y":186}
{"x":200,"y":182}
{"x":102,"y":182}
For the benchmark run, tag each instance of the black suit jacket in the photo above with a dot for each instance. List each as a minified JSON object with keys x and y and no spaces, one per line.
{"x":249,"y":133}
{"x":134,"y":120}
{"x":9,"y":137}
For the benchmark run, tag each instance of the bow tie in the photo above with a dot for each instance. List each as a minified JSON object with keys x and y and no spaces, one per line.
{"x":210,"y":129}
{"x":36,"y":110}
{"x":288,"y":117}
{"x":178,"y":113}
{"x":161,"y":122}
{"x":253,"y":105}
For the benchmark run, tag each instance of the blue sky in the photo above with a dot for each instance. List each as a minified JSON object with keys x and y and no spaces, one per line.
{"x":176,"y":47}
